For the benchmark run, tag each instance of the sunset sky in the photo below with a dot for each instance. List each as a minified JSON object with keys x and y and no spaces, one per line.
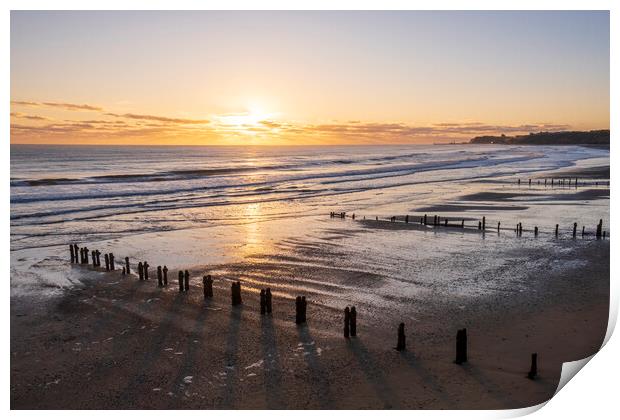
{"x":304,"y":77}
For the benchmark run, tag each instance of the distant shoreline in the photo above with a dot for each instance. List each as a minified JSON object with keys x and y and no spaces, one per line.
{"x":547,"y":138}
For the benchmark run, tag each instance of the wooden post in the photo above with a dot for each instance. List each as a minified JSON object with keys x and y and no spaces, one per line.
{"x":484,"y":222}
{"x":180,"y":281}
{"x":498,"y":225}
{"x":76,"y":252}
{"x":557,"y":228}
{"x":186,"y":281}
{"x":107,"y":262}
{"x":123,"y":271}
{"x":401,"y":343}
{"x":145,"y":268}
{"x":445,"y":222}
{"x":112,"y":262}
{"x":98,"y":255}
{"x":347,"y":321}
{"x":530,"y":183}
{"x":535,"y":231}
{"x":160,"y":277}
{"x":575,"y":230}
{"x":583,"y":231}
{"x":461,"y":346}
{"x":127,"y":270}
{"x":435,"y":221}
{"x":463,"y":224}
{"x":599,"y":229}
{"x":407,"y":218}
{"x":263,"y":302}
{"x":519,"y":181}
{"x":425,"y":219}
{"x":72,"y":250}
{"x":93,"y":255}
{"x":545,"y":182}
{"x":479,"y":225}
{"x":604,"y":232}
{"x":533,"y":367}
{"x":165,"y":270}
{"x":207,"y":283}
{"x":298,"y":310}
{"x":304,"y":307}
{"x":140,"y":269}
{"x":353,"y":320}
{"x":552,"y":182}
{"x":86,"y":255}
{"x":269,"y":301}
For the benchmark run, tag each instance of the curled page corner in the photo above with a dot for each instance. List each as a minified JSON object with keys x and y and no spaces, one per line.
{"x":570,"y":369}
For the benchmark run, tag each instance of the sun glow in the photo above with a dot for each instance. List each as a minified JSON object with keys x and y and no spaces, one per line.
{"x":247,"y":122}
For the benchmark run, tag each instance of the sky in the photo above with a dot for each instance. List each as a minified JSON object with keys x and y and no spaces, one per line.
{"x":234,"y":78}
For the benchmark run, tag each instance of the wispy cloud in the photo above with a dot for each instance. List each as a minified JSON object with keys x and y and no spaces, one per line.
{"x":158,"y":118}
{"x":29,"y":117}
{"x":63,"y":105}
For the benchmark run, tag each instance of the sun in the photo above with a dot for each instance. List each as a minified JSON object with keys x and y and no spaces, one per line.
{"x":248,"y":120}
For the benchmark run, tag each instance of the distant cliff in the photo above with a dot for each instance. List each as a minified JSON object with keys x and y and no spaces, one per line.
{"x":599,"y":137}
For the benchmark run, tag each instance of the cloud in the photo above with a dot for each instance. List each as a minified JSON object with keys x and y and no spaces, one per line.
{"x":63,"y":105}
{"x":29,"y":117}
{"x":158,"y":118}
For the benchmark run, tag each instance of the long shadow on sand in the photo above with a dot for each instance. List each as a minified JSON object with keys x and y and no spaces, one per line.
{"x":194,"y":341}
{"x":318,"y":376}
{"x":272,"y":369}
{"x":232,"y":347}
{"x":427,"y":378}
{"x":372,"y":372}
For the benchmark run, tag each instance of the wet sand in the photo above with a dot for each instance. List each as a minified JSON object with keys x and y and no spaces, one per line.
{"x":120,"y":343}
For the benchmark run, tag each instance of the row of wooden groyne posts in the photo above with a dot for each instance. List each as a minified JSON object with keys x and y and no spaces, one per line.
{"x":80,"y":255}
{"x":437,"y":222}
{"x":563,"y":182}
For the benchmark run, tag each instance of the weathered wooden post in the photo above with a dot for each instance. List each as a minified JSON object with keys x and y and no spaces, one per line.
{"x":407,"y":218}
{"x":347,"y":321}
{"x":268,"y":298}
{"x":519,"y":181}
{"x":72,"y":250}
{"x":165,"y":270}
{"x":520,"y":229}
{"x":533,"y":367}
{"x":98,"y":255}
{"x":583,"y":231}
{"x":127,"y":270}
{"x":107,"y":262}
{"x":435,"y":221}
{"x":401,"y":344}
{"x":207,"y":283}
{"x":479,"y":225}
{"x":298,"y":310}
{"x":140,"y":269}
{"x":94,"y":257}
{"x":498,"y":225}
{"x":552,"y":182}
{"x":263,"y":302}
{"x":604,"y":233}
{"x":180,"y":280}
{"x":186,"y":281}
{"x":535,"y":231}
{"x":599,"y":229}
{"x":76,"y":252}
{"x":463,"y":224}
{"x":461,"y":346}
{"x":304,"y":307}
{"x":353,"y":318}
{"x":445,"y":222}
{"x":575,"y":230}
{"x":160,"y":277}
{"x":112,"y":262}
{"x":545,"y":182}
{"x":123,"y":271}
{"x":425,"y":219}
{"x":484,"y":222}
{"x":86,"y":255}
{"x":557,"y":228}
{"x":530,"y":182}
{"x":145,"y":268}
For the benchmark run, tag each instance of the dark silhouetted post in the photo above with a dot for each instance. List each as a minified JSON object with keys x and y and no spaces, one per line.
{"x":127,"y":270}
{"x":207,"y":283}
{"x":304,"y":307}
{"x":298,"y":310}
{"x":268,"y":300}
{"x":557,"y":229}
{"x":583,"y":231}
{"x":535,"y":231}
{"x":160,"y":277}
{"x":401,"y":344}
{"x":530,"y":182}
{"x":86,"y":255}
{"x":165,"y":270}
{"x":518,"y":181}
{"x":76,"y":252}
{"x":93,"y":255}
{"x":140,"y":269}
{"x":479,"y":225}
{"x":445,"y":222}
{"x":123,"y":271}
{"x":347,"y":321}
{"x":484,"y":223}
{"x":407,"y":219}
{"x":463,"y":224}
{"x":353,"y":316}
{"x":112,"y":262}
{"x":599,"y":229}
{"x":145,"y":268}
{"x":180,"y":281}
{"x":186,"y":281}
{"x":534,"y":367}
{"x":98,"y":255}
{"x":72,"y":250}
{"x":425,"y":219}
{"x":107,"y":262}
{"x":263,"y":302}
{"x":575,"y":230}
{"x":498,"y":225}
{"x":461,"y":346}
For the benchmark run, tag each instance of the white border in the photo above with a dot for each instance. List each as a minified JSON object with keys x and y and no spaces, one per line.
{"x":592,"y":394}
